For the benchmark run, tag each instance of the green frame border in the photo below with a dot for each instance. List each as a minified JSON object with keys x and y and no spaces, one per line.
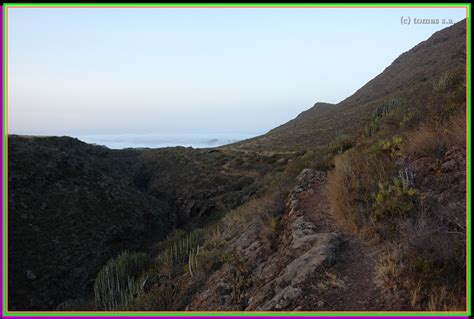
{"x":6,"y":6}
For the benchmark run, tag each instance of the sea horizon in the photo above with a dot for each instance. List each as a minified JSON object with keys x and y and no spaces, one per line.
{"x":154,"y":140}
{"x":159,"y":140}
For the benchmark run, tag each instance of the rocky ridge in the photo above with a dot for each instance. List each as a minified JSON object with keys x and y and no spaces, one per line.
{"x":300,"y":273}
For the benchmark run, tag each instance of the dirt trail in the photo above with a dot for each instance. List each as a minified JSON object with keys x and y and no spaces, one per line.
{"x":349,"y":285}
{"x":315,"y":266}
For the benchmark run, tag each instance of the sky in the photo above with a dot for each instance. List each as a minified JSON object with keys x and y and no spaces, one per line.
{"x":162,"y":70}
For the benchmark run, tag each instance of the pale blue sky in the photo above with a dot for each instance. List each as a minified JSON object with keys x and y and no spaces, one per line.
{"x":93,"y":71}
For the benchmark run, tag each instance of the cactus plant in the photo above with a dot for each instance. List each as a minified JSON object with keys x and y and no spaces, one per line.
{"x":120,"y":280}
{"x":193,"y":261}
{"x":182,"y":250}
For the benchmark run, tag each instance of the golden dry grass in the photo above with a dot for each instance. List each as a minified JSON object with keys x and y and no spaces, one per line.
{"x":420,"y":253}
{"x":432,"y":139}
{"x":351,"y":186}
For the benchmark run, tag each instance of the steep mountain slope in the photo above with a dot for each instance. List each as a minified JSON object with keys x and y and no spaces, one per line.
{"x":412,"y":71}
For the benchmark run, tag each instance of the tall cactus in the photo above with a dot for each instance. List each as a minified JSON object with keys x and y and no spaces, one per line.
{"x":193,"y":261}
{"x":182,"y":250}
{"x":120,"y":281}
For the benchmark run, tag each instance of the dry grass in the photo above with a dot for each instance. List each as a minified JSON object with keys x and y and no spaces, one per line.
{"x":424,"y":251}
{"x":351,"y":186}
{"x":387,"y":269}
{"x":270,"y":229}
{"x":268,"y":202}
{"x":443,"y":299}
{"x":400,"y":274}
{"x":434,"y":139}
{"x":244,"y":214}
{"x":215,"y":237}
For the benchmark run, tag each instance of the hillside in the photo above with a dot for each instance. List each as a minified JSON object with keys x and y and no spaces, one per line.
{"x":410,"y":74}
{"x":72,"y":206}
{"x":357,"y":206}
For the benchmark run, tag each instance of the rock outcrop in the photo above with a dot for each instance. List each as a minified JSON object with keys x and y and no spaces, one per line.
{"x":273,"y":280}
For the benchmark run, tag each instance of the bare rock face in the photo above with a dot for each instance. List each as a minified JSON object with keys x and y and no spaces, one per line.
{"x":286,"y":297}
{"x":220,"y":292}
{"x":321,"y":253}
{"x":268,"y":279}
{"x":285,"y":289}
{"x":306,"y":252}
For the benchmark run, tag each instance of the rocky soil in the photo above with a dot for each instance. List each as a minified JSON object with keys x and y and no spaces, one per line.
{"x":315,"y":267}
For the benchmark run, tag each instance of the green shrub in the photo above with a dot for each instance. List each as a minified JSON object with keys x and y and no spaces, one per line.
{"x":320,"y":159}
{"x":388,"y":147}
{"x":388,"y":109}
{"x":120,"y":280}
{"x":394,"y":199}
{"x":372,"y":126}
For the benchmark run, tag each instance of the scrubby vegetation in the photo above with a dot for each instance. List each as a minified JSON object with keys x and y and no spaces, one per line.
{"x":177,"y":267}
{"x":120,"y":281}
{"x":399,"y":188}
{"x":117,"y":200}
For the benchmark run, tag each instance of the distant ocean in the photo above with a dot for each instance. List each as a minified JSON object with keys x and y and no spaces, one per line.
{"x":120,"y":141}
